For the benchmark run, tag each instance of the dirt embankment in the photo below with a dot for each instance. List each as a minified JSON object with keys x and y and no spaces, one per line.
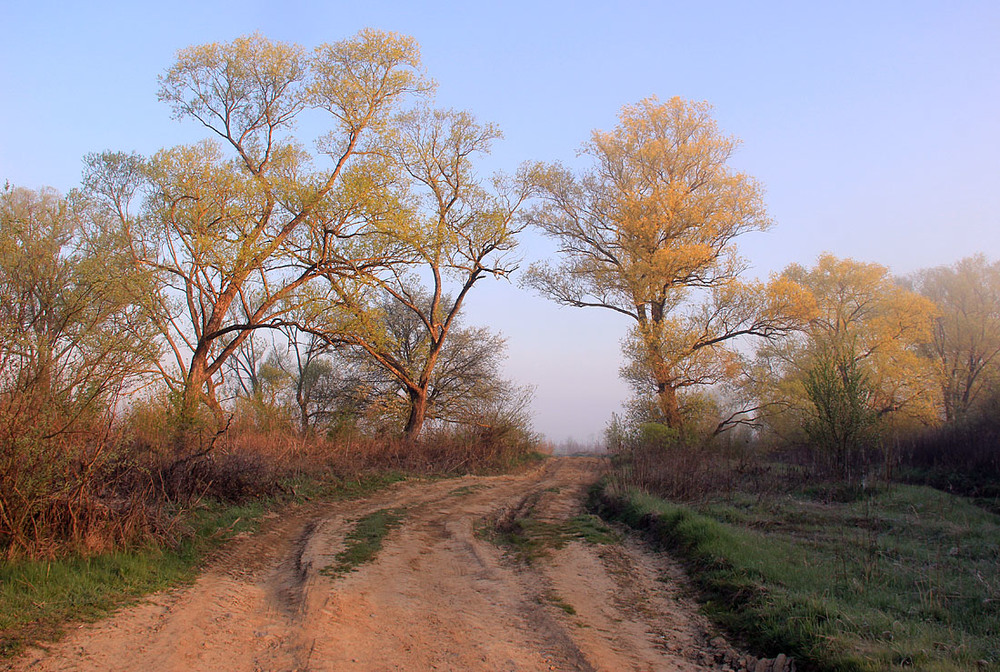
{"x":437,"y":596}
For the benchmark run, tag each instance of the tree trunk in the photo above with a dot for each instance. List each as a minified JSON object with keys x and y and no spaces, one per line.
{"x":666,"y":397}
{"x":418,"y":412}
{"x":666,"y":392}
{"x":304,"y":417}
{"x":194,"y":395}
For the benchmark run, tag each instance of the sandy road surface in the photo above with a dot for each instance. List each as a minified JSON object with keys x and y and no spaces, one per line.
{"x":437,"y":597}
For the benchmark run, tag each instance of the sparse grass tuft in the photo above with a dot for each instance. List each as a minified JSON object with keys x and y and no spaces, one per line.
{"x":529,"y":538}
{"x":365,"y":541}
{"x":465,"y":490}
{"x":561,"y":604}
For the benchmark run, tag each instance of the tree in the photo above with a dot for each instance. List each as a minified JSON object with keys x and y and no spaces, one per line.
{"x":464,"y":377}
{"x":71,"y":343}
{"x":867,"y":325}
{"x":323,"y":393}
{"x":71,"y":337}
{"x":966,"y":337}
{"x":843,"y":421}
{"x":220,"y":231}
{"x":650,"y":226}
{"x":448,"y":231}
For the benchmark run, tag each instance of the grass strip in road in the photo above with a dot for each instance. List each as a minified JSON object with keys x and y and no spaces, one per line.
{"x":529,"y":538}
{"x":364,"y":541}
{"x":906,"y":578}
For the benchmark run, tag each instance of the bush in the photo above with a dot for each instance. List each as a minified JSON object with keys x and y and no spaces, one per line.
{"x":659,"y":459}
{"x":962,"y":457}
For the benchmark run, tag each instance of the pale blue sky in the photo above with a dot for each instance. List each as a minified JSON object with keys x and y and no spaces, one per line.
{"x":875,"y":126}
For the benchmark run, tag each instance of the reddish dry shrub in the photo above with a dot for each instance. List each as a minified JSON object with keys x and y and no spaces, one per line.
{"x":105,"y":490}
{"x":678,"y":472}
{"x":661,"y":461}
{"x":437,"y":451}
{"x":74,"y":493}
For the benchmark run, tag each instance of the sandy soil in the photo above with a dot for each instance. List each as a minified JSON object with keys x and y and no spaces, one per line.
{"x":437,"y":597}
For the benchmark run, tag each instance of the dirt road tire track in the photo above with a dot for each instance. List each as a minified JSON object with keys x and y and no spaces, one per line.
{"x":437,"y":596}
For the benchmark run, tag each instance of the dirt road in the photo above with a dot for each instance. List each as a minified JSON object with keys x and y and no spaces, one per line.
{"x":438,"y":596}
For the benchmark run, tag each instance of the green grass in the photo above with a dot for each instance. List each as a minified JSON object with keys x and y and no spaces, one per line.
{"x":900,"y":579}
{"x":364,"y":541}
{"x":529,"y":538}
{"x":37,"y":598}
{"x":466,"y":490}
{"x":560,"y":604}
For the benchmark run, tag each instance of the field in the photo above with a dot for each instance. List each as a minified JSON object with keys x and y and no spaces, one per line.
{"x":902,"y":577}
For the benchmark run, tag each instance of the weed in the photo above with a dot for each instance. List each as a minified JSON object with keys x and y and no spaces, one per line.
{"x":466,"y":490}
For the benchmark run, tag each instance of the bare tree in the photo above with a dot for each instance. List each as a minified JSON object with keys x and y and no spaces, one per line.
{"x":966,"y":343}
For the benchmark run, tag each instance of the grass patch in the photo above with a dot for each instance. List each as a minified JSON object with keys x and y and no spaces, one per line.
{"x":466,"y":490}
{"x":365,"y":541}
{"x":38,"y":597}
{"x":528,"y":538}
{"x":901,"y":579}
{"x":560,"y":604}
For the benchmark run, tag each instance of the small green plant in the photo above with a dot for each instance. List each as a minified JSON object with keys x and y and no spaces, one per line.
{"x":561,"y":604}
{"x":365,"y":541}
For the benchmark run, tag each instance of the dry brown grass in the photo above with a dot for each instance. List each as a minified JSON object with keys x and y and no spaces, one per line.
{"x":97,"y":491}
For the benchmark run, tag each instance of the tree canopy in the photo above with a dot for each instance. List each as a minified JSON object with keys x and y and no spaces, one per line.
{"x":649,"y":232}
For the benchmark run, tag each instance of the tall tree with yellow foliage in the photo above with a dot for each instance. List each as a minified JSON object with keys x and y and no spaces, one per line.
{"x":649,"y":232}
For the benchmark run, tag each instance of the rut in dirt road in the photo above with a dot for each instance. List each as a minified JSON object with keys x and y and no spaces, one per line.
{"x":438,"y":596}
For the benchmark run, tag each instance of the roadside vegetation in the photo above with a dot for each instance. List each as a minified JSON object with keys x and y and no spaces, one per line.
{"x":39,"y":596}
{"x":840,"y":554}
{"x":902,"y":578}
{"x":843,"y":560}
